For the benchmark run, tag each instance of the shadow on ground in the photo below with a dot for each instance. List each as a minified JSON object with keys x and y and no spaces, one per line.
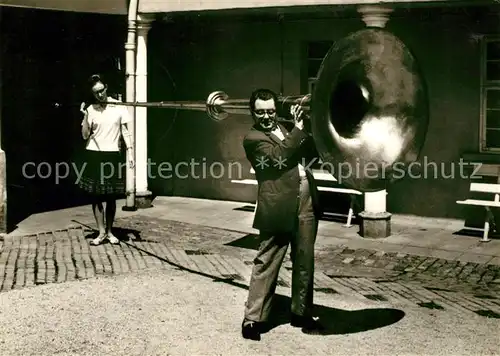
{"x":27,"y":200}
{"x":476,"y":233}
{"x":338,"y":321}
{"x":249,"y":241}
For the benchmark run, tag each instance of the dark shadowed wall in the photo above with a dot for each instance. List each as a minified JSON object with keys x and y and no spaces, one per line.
{"x":47,"y":57}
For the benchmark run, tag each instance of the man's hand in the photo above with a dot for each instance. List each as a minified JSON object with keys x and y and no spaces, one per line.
{"x":297,"y":112}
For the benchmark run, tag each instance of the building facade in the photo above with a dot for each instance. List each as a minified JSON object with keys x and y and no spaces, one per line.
{"x":188,"y":49}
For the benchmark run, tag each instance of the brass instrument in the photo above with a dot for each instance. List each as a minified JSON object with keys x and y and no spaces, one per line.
{"x":218,"y":106}
{"x":368,"y":111}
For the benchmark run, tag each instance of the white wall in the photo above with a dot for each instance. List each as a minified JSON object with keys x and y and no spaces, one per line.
{"x":118,"y":7}
{"x":197,"y":5}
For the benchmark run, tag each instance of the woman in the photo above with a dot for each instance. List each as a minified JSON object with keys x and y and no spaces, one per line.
{"x":102,"y":126}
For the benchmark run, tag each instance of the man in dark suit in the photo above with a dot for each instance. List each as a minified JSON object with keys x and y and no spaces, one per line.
{"x":287,"y":212}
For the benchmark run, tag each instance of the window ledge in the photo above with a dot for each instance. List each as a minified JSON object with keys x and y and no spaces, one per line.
{"x":482,"y":157}
{"x":483,"y":164}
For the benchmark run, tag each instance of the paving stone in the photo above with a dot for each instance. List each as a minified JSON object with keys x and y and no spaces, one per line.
{"x":372,"y":288}
{"x":402,"y":291}
{"x":391,"y":265}
{"x":383,"y":261}
{"x":348,"y":251}
{"x":404,"y":264}
{"x":483,"y":302}
{"x":286,"y":275}
{"x":388,"y":291}
{"x":490,"y":274}
{"x":467,"y":270}
{"x":338,"y":284}
{"x":323,"y":283}
{"x":445,"y":254}
{"x":495,"y":261}
{"x":474,"y":303}
{"x":426,"y":263}
{"x":475,"y":258}
{"x":447,"y":268}
{"x":433,"y":270}
{"x":441,"y":298}
{"x":240,"y":267}
{"x":477,"y":274}
{"x":224,"y":264}
{"x":348,"y":260}
{"x":458,"y":302}
{"x":363,"y":254}
{"x":339,"y":250}
{"x":357,"y":285}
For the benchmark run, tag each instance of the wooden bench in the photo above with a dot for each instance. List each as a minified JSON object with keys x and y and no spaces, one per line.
{"x":324,"y":181}
{"x":487,"y":204}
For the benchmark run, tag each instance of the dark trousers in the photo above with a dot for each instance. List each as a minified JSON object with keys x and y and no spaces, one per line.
{"x":267,"y":264}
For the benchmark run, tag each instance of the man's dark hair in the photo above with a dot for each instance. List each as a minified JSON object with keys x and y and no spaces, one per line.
{"x":262,"y":94}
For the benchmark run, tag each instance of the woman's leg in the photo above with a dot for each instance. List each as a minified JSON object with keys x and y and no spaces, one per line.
{"x":110,"y":218}
{"x":98,"y":210}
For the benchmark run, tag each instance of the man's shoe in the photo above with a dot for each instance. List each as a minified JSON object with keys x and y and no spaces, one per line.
{"x":308,"y":324}
{"x":250,"y":330}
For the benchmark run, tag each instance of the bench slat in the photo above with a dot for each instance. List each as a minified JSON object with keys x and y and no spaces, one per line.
{"x":318,"y":174}
{"x":485,"y":188}
{"x":244,"y":181}
{"x":339,"y":190}
{"x":321,"y":188}
{"x":479,"y":202}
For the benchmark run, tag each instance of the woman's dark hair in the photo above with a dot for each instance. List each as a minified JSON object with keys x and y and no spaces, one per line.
{"x":262,"y":94}
{"x":94,"y":79}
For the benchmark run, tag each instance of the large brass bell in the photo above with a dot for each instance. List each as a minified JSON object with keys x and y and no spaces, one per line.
{"x":369,"y":110}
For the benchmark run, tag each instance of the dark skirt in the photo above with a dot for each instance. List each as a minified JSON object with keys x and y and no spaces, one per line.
{"x":103,"y":174}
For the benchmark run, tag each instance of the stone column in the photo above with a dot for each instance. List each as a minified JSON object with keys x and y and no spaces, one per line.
{"x":143,"y":196}
{"x":3,"y":163}
{"x":375,"y":15}
{"x":375,"y":220}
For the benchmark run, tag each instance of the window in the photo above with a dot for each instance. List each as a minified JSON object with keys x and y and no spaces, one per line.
{"x":490,"y":95}
{"x":316,"y":52}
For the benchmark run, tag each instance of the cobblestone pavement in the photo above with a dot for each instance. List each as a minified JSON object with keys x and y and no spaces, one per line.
{"x":66,"y":255}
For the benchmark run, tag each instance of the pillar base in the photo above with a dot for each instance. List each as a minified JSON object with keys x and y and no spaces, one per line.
{"x":143,"y":200}
{"x":375,"y":225}
{"x":129,"y":208}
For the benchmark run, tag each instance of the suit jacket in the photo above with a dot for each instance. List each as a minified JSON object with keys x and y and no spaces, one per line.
{"x":279,"y":184}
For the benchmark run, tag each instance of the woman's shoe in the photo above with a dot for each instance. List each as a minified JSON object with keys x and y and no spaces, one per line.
{"x":98,"y":240}
{"x":113,"y":239}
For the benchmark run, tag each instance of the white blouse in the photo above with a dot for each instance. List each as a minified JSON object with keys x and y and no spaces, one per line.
{"x":105,"y":125}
